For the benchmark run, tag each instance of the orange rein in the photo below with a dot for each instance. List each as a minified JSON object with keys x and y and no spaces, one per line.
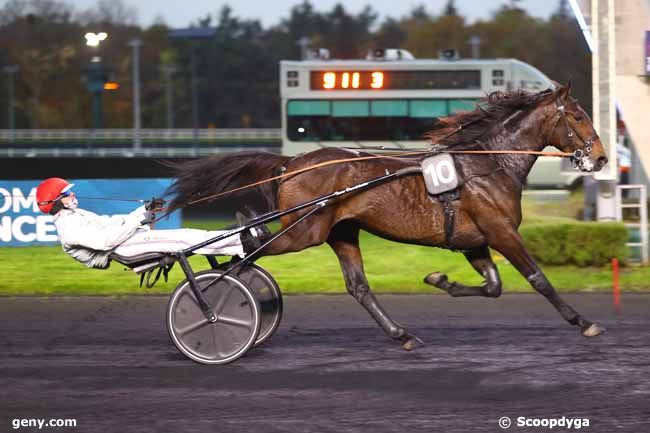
{"x":364,"y":158}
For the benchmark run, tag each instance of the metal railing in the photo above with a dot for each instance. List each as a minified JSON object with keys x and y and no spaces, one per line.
{"x":185,"y":134}
{"x":122,"y":152}
{"x":155,"y":143}
{"x":642,"y":224}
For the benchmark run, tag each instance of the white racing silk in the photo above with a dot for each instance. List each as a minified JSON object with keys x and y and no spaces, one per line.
{"x":91,"y":238}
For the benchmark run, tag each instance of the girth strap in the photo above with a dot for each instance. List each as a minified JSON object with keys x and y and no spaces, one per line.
{"x":450,"y":221}
{"x":447,"y":199}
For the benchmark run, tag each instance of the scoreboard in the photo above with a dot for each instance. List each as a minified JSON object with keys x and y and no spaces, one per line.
{"x":386,"y":102}
{"x":395,"y":80}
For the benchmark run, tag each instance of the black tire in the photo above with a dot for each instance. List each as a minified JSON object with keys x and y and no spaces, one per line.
{"x":231,"y":336}
{"x":269,"y":296}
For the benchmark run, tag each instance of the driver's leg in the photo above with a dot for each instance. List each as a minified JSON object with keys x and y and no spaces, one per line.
{"x":169,"y":241}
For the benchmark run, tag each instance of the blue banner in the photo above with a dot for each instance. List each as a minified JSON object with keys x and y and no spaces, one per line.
{"x":22,"y":223}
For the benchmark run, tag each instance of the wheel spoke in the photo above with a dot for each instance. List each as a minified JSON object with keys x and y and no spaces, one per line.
{"x":235,"y":322}
{"x":193,"y":327}
{"x":217,"y":344}
{"x":222,"y":300}
{"x":193,"y":297}
{"x":258,"y":283}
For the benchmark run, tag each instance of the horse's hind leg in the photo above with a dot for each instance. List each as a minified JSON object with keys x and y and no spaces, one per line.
{"x":480,"y":260}
{"x":310,"y":232}
{"x":344,"y":240}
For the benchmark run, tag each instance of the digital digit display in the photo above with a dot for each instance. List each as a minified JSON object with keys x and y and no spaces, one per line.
{"x":395,"y":80}
{"x":348,"y":80}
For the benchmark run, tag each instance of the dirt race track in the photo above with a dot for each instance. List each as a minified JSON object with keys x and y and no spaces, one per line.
{"x":109,"y":364}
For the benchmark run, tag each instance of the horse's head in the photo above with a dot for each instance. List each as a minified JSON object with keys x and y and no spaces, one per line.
{"x":571,"y":131}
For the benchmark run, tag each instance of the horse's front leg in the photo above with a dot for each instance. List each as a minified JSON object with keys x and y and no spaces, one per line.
{"x":481,"y":261}
{"x":508,"y":242}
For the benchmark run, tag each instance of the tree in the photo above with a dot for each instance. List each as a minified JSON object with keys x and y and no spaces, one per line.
{"x":238,"y":68}
{"x":514,"y":5}
{"x":426,"y":37}
{"x":450,"y":9}
{"x":111,"y":12}
{"x":37,"y":35}
{"x":567,"y":57}
{"x":390,"y":34}
{"x":419,"y":15}
{"x":562,"y":11}
{"x":344,"y":34}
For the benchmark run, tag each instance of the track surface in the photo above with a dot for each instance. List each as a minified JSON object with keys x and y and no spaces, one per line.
{"x":109,"y":363}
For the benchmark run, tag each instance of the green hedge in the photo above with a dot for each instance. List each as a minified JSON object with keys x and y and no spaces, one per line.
{"x":575,"y":242}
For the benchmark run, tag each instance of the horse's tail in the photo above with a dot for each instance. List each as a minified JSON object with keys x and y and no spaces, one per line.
{"x":202,"y":178}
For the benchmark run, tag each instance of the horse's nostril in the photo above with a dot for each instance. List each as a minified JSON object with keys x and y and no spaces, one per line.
{"x":600,"y":162}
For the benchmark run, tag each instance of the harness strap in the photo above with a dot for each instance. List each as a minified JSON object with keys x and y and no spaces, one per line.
{"x":365,"y":158}
{"x":150,"y":283}
{"x":302,"y":170}
{"x":447,"y":199}
{"x":578,"y":154}
{"x":163,"y":270}
{"x":450,"y":223}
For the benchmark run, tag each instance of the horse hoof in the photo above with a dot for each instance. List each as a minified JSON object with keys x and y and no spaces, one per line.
{"x":593,"y":331}
{"x":435,"y":279}
{"x":411,"y":343}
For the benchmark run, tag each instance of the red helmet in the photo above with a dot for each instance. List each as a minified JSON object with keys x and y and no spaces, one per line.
{"x":48,"y":191}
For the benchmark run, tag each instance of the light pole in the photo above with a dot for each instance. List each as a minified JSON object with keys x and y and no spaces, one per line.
{"x":11,"y":70}
{"x":475,"y":42}
{"x":195,"y":101}
{"x":303,"y":43}
{"x":136,"y":43}
{"x":96,"y":76}
{"x":168,"y":71}
{"x":192,"y":34}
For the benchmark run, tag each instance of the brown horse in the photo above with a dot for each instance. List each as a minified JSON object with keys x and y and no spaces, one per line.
{"x":486,"y":215}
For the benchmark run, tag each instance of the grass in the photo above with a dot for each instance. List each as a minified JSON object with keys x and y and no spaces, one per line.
{"x":391,"y":267}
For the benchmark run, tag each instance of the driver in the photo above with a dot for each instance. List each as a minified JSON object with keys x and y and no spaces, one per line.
{"x":91,"y":238}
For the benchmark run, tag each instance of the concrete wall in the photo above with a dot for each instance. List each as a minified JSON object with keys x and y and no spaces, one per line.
{"x":632,"y":86}
{"x":631,"y":89}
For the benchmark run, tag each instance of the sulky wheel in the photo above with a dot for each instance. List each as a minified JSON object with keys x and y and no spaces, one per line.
{"x":238,"y":319}
{"x":267,"y":293}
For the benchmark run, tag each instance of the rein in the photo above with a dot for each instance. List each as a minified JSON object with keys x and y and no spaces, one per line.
{"x":365,"y":158}
{"x":578,"y":155}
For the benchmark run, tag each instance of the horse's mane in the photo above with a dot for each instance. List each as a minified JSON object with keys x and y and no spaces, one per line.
{"x":492,"y":109}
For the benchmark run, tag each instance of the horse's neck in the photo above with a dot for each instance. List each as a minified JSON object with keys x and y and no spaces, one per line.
{"x":526,"y":136}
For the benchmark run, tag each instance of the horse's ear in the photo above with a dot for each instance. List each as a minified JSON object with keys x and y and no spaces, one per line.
{"x":561,"y":92}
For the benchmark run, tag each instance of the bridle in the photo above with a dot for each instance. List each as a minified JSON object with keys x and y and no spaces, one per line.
{"x":581,"y":157}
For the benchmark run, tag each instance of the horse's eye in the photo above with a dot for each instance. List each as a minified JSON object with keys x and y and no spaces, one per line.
{"x":578,"y":118}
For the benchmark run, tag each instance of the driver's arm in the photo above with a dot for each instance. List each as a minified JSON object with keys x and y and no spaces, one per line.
{"x":100,"y":233}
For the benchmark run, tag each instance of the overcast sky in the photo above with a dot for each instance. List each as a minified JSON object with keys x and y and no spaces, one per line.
{"x":179,"y":13}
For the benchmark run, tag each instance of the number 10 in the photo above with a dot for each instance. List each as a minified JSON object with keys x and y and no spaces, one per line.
{"x":442,"y":172}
